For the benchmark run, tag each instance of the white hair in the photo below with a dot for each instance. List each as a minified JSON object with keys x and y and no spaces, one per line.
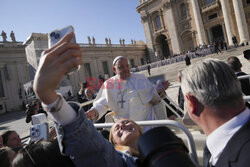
{"x":212,"y":82}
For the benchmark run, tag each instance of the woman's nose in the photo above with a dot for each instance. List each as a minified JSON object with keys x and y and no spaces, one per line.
{"x":122,"y":126}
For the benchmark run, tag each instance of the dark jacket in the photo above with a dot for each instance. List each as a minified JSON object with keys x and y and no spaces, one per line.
{"x":245,"y":84}
{"x":187,"y":60}
{"x":237,"y":150}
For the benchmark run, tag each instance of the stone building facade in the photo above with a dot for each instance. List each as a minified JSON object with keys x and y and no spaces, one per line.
{"x":13,"y":74}
{"x":175,"y":26}
{"x":97,"y":58}
{"x":19,"y":61}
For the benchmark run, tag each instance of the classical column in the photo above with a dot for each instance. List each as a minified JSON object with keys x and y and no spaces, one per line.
{"x":172,"y":29}
{"x":198,"y":22}
{"x":148,"y":30}
{"x":162,"y":19}
{"x":227,"y":20}
{"x":241,"y":20}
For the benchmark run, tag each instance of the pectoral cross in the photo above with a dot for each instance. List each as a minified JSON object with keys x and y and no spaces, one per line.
{"x":122,"y":101}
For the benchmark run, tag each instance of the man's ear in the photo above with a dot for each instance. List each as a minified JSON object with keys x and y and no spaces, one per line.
{"x":192,"y":105}
{"x":114,"y":69}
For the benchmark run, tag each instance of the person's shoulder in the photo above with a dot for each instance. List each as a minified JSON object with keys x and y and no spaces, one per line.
{"x":237,"y":149}
{"x":129,"y":160}
{"x":112,"y":79}
{"x":136,"y":75}
{"x":243,"y":135}
{"x":241,"y":159}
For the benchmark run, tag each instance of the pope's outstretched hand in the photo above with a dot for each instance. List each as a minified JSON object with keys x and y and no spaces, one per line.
{"x":92,"y":114}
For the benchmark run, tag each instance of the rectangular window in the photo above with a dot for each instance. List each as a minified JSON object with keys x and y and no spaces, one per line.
{"x":87,"y":70}
{"x":132,"y":63}
{"x":1,"y":86}
{"x":158,"y":22}
{"x":212,"y":16}
{"x":105,"y":67}
{"x":142,"y":61}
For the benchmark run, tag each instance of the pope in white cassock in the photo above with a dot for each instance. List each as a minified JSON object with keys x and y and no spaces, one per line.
{"x":128,"y":95}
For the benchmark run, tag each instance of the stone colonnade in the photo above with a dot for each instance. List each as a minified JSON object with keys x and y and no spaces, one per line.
{"x":240,"y":20}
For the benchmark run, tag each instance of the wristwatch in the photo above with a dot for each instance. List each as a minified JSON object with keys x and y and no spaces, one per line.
{"x":55,"y":106}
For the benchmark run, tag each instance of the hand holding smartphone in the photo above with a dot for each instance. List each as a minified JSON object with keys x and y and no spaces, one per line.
{"x":39,"y":128}
{"x":55,"y":36}
{"x":55,"y":62}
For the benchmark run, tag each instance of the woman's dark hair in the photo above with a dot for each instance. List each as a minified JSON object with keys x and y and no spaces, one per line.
{"x":6,"y":135}
{"x":41,"y":154}
{"x":4,"y":159}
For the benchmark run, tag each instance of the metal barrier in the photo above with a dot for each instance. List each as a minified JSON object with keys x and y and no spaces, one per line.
{"x":244,"y":77}
{"x":191,"y":143}
{"x":246,"y":98}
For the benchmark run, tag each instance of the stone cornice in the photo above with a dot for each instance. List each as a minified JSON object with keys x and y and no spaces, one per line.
{"x":36,"y":37}
{"x":144,"y":4}
{"x":12,"y":45}
{"x":168,"y":3}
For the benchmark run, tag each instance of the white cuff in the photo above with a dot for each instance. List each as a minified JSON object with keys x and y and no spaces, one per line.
{"x":65,"y":115}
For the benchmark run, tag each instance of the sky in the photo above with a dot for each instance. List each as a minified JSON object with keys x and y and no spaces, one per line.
{"x":114,"y":19}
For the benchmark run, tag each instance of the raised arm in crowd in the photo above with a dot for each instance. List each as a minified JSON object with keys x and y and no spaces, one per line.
{"x":77,"y":136}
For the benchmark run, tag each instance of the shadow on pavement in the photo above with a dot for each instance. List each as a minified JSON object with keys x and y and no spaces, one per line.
{"x":12,"y":116}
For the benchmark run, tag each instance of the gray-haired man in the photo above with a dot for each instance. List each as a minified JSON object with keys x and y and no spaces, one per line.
{"x":213,"y":99}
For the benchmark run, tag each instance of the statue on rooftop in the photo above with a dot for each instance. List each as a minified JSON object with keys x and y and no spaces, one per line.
{"x":93,"y":39}
{"x":89,"y":40}
{"x":12,"y":36}
{"x":106,"y":41}
{"x":109,"y":41}
{"x":3,"y":34}
{"x":123,"y":41}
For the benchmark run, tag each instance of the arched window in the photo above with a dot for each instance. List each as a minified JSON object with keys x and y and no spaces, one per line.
{"x":183,"y":11}
{"x":158,"y":22}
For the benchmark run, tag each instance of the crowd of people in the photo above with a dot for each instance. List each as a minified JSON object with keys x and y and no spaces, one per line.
{"x":199,"y":51}
{"x":210,"y":92}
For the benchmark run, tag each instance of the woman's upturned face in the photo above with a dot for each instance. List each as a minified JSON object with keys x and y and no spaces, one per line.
{"x":125,"y":132}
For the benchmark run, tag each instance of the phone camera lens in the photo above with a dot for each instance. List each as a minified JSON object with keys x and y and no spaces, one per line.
{"x":57,"y":36}
{"x":52,"y":34}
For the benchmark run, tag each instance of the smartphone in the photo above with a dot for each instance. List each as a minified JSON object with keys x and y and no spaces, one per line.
{"x":39,"y":128}
{"x":39,"y":131}
{"x":55,"y":36}
{"x":38,"y":119}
